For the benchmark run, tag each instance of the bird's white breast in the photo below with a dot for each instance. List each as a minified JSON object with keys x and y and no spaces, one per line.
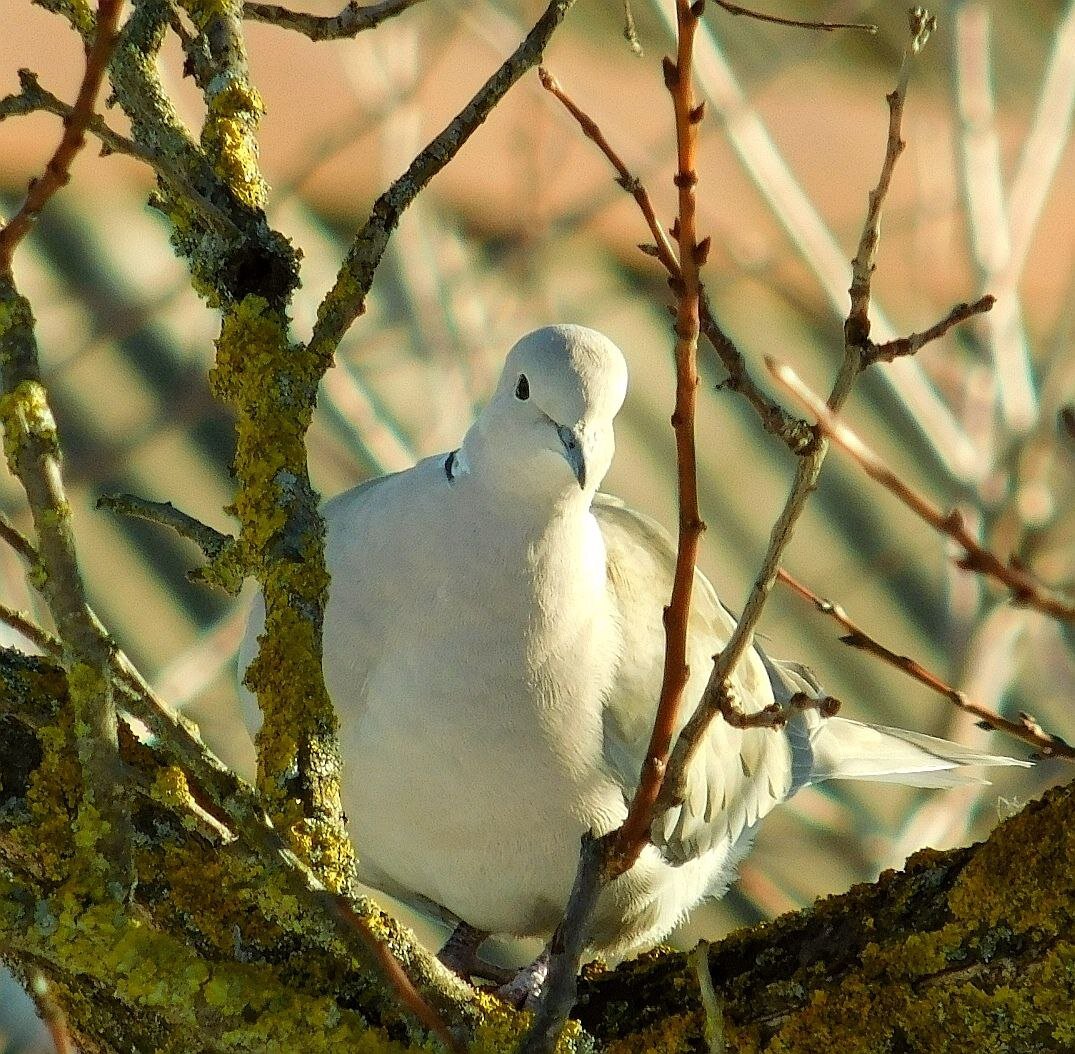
{"x":470,"y":696}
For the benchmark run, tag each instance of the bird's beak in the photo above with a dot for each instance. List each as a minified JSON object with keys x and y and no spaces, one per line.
{"x":574,"y":451}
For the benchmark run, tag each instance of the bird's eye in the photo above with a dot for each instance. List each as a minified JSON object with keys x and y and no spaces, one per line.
{"x":522,"y":389}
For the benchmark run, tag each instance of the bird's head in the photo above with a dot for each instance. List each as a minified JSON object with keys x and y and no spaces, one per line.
{"x":548,"y":428}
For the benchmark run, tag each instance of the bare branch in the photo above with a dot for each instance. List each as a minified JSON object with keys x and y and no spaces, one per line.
{"x":346,"y":301}
{"x":58,"y":170}
{"x":894,"y":349}
{"x":18,"y":541}
{"x":1026,"y":730}
{"x":1024,"y":588}
{"x":857,"y":326}
{"x":211,"y":541}
{"x":351,"y":21}
{"x":31,"y":631}
{"x":828,"y":27}
{"x":774,"y":418}
{"x":717,"y":698}
{"x":33,"y":98}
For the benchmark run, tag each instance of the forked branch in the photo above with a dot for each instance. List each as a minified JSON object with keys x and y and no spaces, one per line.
{"x":1025,"y":589}
{"x":1026,"y":729}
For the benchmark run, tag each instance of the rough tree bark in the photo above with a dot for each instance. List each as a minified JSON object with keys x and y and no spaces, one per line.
{"x":226,"y":948}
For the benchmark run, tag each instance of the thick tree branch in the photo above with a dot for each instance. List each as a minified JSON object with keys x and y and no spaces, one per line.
{"x":241,"y":926}
{"x":964,"y":951}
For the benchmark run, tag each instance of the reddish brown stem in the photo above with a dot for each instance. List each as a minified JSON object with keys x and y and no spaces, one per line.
{"x":827,"y":27}
{"x":1024,"y":588}
{"x":895,"y":349}
{"x":1026,"y":730}
{"x":634,"y":834}
{"x":58,"y":170}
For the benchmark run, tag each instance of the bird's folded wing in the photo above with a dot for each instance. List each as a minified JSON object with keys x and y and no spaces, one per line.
{"x":738,"y":775}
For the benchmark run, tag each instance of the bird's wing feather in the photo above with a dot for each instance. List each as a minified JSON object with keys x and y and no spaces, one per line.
{"x":738,"y":775}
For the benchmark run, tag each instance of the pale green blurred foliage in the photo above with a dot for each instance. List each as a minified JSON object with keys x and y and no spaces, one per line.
{"x":527,"y":228}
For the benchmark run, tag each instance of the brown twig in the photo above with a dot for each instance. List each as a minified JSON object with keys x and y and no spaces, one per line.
{"x":678,"y":78}
{"x":402,"y":985}
{"x":58,"y":170}
{"x":1024,"y":588}
{"x":351,"y":21}
{"x":211,"y":541}
{"x":602,"y":860}
{"x":774,"y":418}
{"x":23,"y":624}
{"x":910,"y":345}
{"x":1026,"y":730}
{"x":51,"y":1014}
{"x":828,"y":27}
{"x":718,"y":696}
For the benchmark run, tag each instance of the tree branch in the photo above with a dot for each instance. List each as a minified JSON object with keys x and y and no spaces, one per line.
{"x":33,"y":98}
{"x":351,"y":21}
{"x":346,"y":301}
{"x":1024,"y":588}
{"x":58,"y":170}
{"x":828,"y":27}
{"x":774,"y":418}
{"x":891,"y":350}
{"x":1027,"y":730}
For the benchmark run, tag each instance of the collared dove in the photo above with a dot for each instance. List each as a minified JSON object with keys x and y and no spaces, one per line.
{"x":493,"y":646}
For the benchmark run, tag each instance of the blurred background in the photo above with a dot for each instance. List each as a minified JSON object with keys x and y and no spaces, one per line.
{"x":526,"y":227}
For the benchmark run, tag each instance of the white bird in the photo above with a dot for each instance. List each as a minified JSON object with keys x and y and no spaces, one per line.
{"x":493,"y":646}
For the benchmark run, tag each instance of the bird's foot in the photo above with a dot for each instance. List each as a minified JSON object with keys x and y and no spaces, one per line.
{"x":524,"y":990}
{"x":460,"y":955}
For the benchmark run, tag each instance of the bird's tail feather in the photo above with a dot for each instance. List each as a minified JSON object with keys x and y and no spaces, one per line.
{"x":844,"y":749}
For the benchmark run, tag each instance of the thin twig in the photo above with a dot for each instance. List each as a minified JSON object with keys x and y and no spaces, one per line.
{"x":23,"y":624}
{"x":404,"y":988}
{"x":351,"y":21}
{"x":346,"y":301}
{"x":58,"y":170}
{"x":1026,"y":730}
{"x":774,"y":418}
{"x":35,"y":99}
{"x":891,"y":350}
{"x":1024,"y":588}
{"x":18,"y":541}
{"x":51,"y":1014}
{"x":211,"y":541}
{"x":828,"y":27}
{"x":718,"y":695}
